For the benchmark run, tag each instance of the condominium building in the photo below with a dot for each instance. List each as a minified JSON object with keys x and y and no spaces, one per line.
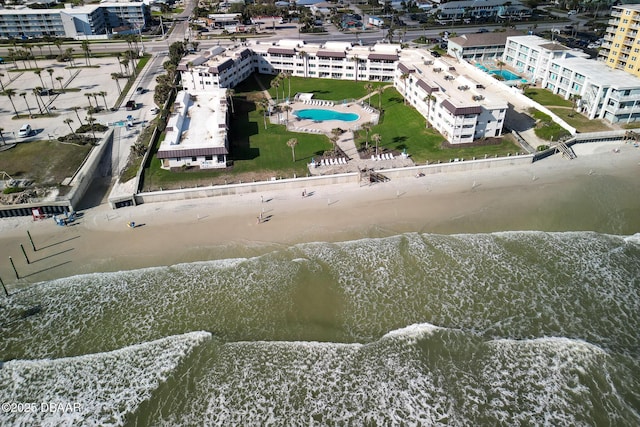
{"x":74,"y":22}
{"x":601,"y":92}
{"x":621,"y":46}
{"x":479,"y":47}
{"x":456,"y":105}
{"x":196,"y":132}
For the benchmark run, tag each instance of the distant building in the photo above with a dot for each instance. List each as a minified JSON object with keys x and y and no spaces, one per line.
{"x":196,"y":132}
{"x":92,"y":21}
{"x":602,"y":92}
{"x":621,"y":46}
{"x":480,"y":46}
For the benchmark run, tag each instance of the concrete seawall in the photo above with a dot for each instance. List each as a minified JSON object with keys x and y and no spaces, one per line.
{"x":307,"y":182}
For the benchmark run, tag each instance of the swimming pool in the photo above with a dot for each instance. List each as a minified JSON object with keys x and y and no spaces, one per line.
{"x":505,"y":74}
{"x":322,"y":115}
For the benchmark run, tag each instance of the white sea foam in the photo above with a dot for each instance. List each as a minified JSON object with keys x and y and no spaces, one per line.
{"x":415,"y":331}
{"x":633,"y":239}
{"x":106,"y":387}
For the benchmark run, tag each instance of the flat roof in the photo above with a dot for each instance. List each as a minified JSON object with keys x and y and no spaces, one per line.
{"x":458,"y":90}
{"x":203,"y":125}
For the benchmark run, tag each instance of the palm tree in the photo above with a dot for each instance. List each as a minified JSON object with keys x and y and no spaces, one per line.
{"x":292,"y":143}
{"x":500,"y":64}
{"x":68,"y":123}
{"x":369,"y":88}
{"x":263,"y":106}
{"x":304,"y":55}
{"x":59,"y":80}
{"x":95,"y":98}
{"x":376,"y":138}
{"x":2,"y":136}
{"x":75,"y":109}
{"x":287,"y":108}
{"x":429,"y":99}
{"x":1,"y":83}
{"x":288,"y":75}
{"x":89,"y":95}
{"x":36,"y":92}
{"x":58,"y":43}
{"x":118,"y":55}
{"x":125,"y":62}
{"x":24,"y":96}
{"x":30,"y":55}
{"x":366,"y":127}
{"x":230,"y":93}
{"x":356,"y":61}
{"x":404,"y":77}
{"x":276,"y":83}
{"x":39,"y":74}
{"x":91,"y":120}
{"x":102,"y":93}
{"x":115,"y":76}
{"x":87,"y":51}
{"x":50,"y":71}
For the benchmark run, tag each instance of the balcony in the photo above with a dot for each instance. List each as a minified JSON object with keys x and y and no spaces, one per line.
{"x":616,"y":13}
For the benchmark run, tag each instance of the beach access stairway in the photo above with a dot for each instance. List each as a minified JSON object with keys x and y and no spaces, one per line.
{"x":566,"y":151}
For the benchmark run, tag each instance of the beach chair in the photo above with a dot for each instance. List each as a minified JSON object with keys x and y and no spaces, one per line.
{"x":373,"y":157}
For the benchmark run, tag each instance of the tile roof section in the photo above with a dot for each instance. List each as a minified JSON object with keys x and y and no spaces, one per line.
{"x":193,"y":152}
{"x":327,"y":54}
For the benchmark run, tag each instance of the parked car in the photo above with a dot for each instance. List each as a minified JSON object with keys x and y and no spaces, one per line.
{"x":25,"y":131}
{"x":140,"y":90}
{"x":131,"y":105}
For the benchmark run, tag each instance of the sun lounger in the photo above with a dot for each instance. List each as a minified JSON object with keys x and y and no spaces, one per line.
{"x":373,"y":157}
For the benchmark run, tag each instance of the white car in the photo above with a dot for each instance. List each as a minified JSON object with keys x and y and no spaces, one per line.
{"x":25,"y":131}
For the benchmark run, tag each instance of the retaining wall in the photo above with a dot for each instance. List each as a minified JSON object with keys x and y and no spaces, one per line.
{"x":79,"y":184}
{"x":314,"y":181}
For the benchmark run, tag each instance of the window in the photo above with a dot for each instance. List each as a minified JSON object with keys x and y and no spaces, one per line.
{"x":193,"y":159}
{"x":208,"y":157}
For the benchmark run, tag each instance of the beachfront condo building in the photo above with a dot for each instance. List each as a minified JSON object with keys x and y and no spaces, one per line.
{"x":81,"y":22}
{"x":599,"y":91}
{"x":196,"y":132}
{"x":451,"y":101}
{"x":621,"y":47}
{"x":479,"y":47}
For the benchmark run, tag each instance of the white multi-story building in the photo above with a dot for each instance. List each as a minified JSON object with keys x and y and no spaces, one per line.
{"x":602,"y":92}
{"x":73,"y":22}
{"x":479,"y":47}
{"x":196,"y":132}
{"x":452,"y":102}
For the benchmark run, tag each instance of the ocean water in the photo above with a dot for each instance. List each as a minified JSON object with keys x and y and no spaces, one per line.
{"x":511,"y":328}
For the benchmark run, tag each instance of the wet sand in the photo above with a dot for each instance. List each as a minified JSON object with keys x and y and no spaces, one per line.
{"x":555,"y":194}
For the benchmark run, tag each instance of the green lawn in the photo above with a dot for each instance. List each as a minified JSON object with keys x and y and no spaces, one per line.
{"x":546,"y":98}
{"x":580,"y":122}
{"x":259,"y":154}
{"x":325,"y":89}
{"x":45,"y":162}
{"x":402,"y":128}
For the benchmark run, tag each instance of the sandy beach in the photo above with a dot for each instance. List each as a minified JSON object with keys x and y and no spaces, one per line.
{"x":551,"y":195}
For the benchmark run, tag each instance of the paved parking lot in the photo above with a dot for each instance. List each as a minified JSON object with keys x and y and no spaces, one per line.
{"x":86,"y":80}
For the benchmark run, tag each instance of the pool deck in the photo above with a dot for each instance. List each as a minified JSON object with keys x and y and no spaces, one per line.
{"x":350,"y":161}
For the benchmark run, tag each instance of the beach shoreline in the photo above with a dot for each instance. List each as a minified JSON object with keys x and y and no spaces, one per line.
{"x":550,"y":195}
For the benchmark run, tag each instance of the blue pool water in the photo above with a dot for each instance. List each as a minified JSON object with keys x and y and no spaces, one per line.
{"x":322,"y":115}
{"x":505,"y":74}
{"x":482,"y":67}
